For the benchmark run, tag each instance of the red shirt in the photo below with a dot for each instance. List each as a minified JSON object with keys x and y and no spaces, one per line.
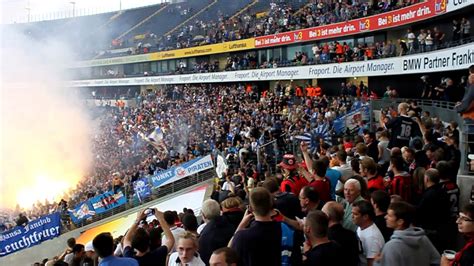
{"x":375,"y":183}
{"x":299,"y":92}
{"x":323,"y":187}
{"x":293,"y":185}
{"x":402,"y":185}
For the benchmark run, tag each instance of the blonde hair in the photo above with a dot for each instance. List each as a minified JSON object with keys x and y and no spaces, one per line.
{"x":189,"y":235}
{"x":403,"y":107}
{"x":368,"y":164}
{"x":231,"y":202}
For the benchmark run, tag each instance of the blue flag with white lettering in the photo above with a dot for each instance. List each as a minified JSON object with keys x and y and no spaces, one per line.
{"x":36,"y":231}
{"x":181,"y":171}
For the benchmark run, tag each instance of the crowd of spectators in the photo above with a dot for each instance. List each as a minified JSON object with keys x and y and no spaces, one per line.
{"x":410,"y":158}
{"x":424,"y":40}
{"x":384,"y":197}
{"x":280,"y":17}
{"x":202,"y":119}
{"x":196,"y":120}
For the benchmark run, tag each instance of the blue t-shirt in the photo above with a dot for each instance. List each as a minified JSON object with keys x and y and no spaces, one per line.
{"x":333,"y":176}
{"x":116,"y":261}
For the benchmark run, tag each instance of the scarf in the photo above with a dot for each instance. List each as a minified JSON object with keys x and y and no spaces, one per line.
{"x":458,"y":256}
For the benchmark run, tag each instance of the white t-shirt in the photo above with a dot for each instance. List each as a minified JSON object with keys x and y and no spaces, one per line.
{"x":228,"y":185}
{"x":371,"y":242}
{"x":68,"y":258}
{"x":196,"y":261}
{"x":386,"y":152}
{"x":345,"y":170}
{"x":411,"y":37}
{"x":201,"y":227}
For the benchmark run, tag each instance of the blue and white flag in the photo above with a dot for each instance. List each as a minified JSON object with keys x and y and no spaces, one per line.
{"x":155,"y":138}
{"x":322,"y":132}
{"x":142,"y":188}
{"x":36,"y":231}
{"x":313,"y":137}
{"x":351,"y":119}
{"x":82,"y":211}
{"x":156,"y":135}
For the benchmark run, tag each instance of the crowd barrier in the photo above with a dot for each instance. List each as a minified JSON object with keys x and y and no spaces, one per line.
{"x":108,"y":204}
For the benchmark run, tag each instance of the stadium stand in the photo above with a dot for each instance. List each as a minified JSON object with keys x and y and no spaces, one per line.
{"x":301,"y":173}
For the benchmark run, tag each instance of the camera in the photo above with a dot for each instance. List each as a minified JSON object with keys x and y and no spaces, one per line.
{"x":149,"y":212}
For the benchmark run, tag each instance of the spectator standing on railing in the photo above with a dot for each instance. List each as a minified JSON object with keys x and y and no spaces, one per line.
{"x":403,"y":128}
{"x":466,"y":107}
{"x":429,"y":41}
{"x":465,"y":28}
{"x":403,"y":47}
{"x":422,"y":41}
{"x":411,"y":41}
{"x":456,"y":31}
{"x":438,"y":38}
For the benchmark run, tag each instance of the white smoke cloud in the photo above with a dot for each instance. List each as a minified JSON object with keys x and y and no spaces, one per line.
{"x":45,"y":135}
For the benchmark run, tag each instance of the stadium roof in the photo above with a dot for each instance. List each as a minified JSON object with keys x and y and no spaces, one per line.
{"x":20,"y":11}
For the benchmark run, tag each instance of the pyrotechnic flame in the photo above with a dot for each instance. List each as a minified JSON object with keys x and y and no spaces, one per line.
{"x":44,"y":144}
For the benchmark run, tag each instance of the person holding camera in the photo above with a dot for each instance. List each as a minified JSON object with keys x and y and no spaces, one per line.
{"x":138,"y":239}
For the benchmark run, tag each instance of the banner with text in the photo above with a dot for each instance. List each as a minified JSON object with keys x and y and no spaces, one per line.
{"x":395,"y":18}
{"x":178,"y":172}
{"x":457,"y":58}
{"x":107,"y":201}
{"x":453,"y":5}
{"x":410,"y":14}
{"x":36,"y":231}
{"x":96,"y":205}
{"x":217,"y":48}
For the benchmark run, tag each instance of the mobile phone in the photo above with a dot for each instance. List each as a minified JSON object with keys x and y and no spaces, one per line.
{"x":249,"y":209}
{"x":149,"y":212}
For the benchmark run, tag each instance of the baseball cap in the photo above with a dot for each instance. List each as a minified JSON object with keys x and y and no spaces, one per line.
{"x":89,"y":247}
{"x":288,"y":162}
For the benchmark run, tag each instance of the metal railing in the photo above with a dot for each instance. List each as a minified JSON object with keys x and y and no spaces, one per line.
{"x":156,"y":194}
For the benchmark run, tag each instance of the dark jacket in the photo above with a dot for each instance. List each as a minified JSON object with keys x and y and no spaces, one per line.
{"x":216,"y":234}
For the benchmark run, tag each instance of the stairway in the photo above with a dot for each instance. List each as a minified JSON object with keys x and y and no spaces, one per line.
{"x":111,"y":19}
{"x":189,"y":19}
{"x":142,"y":22}
{"x":244,"y":9}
